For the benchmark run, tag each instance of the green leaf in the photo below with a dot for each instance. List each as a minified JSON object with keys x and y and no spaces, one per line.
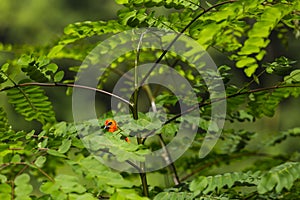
{"x":127,"y":15}
{"x":103,"y":174}
{"x":22,"y":179}
{"x":247,"y":61}
{"x":5,"y":188}
{"x":63,"y":185}
{"x":16,"y":158}
{"x":54,"y":51}
{"x":79,"y":31}
{"x":40,"y":161}
{"x":127,"y":194}
{"x":59,"y":76}
{"x":259,"y":34}
{"x":206,"y":35}
{"x":166,"y":99}
{"x":23,"y":188}
{"x":5,"y":128}
{"x":23,"y":198}
{"x":283,"y":135}
{"x":5,"y":196}
{"x":5,"y":191}
{"x":174,"y":195}
{"x":169,"y":129}
{"x":282,"y":66}
{"x":86,"y":196}
{"x":52,"y":67}
{"x":198,"y":185}
{"x":121,"y":1}
{"x":279,"y":177}
{"x":65,"y":146}
{"x":3,"y":146}
{"x":211,"y":183}
{"x":249,"y":71}
{"x":69,"y":184}
{"x":294,"y":77}
{"x":32,"y":103}
{"x":265,"y":103}
{"x":3,"y":76}
{"x":55,"y":153}
{"x":53,"y":189}
{"x":37,"y":68}
{"x":3,"y":178}
{"x":49,"y":187}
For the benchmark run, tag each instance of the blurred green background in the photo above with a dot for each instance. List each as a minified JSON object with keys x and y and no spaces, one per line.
{"x":41,"y":22}
{"x":38,"y":22}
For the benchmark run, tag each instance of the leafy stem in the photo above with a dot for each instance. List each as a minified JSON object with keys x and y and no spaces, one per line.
{"x":217,"y":161}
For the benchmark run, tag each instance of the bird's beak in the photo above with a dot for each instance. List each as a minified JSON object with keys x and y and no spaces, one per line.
{"x":106,"y":127}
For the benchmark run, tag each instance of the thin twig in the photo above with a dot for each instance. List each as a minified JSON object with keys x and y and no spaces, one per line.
{"x":12,"y":190}
{"x":21,"y":90}
{"x":252,"y":81}
{"x":169,"y":160}
{"x":66,"y":85}
{"x":23,"y":169}
{"x":134,"y":110}
{"x":44,"y":173}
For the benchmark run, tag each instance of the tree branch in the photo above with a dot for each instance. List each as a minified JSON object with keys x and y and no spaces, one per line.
{"x":67,"y":85}
{"x":134,"y":110}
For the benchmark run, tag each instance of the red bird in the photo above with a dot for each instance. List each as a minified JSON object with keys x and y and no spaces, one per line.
{"x":111,"y":126}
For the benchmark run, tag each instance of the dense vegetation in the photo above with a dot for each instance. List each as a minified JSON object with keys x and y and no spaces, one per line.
{"x":55,"y":159}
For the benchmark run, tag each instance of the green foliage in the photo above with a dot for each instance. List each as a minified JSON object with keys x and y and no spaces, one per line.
{"x":209,"y":184}
{"x":258,"y":35}
{"x":294,"y":132}
{"x":282,"y":176}
{"x":79,"y":31}
{"x":40,"y":69}
{"x":32,"y":103}
{"x":282,"y":66}
{"x":174,"y":195}
{"x":4,"y":125}
{"x":269,"y":100}
{"x":64,"y":160}
{"x":23,"y":189}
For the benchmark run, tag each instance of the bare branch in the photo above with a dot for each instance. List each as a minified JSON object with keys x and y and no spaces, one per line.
{"x":67,"y":85}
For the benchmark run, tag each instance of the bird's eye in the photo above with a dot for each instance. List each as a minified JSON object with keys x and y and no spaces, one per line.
{"x":109,"y":123}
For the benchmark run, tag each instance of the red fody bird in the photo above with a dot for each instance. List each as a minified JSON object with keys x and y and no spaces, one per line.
{"x":111,"y":126}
